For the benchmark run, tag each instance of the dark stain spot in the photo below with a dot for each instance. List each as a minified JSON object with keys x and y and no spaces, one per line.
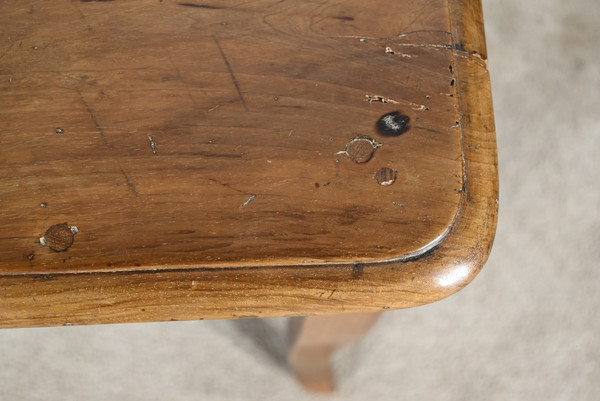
{"x":343,"y":18}
{"x":460,"y":47}
{"x":451,"y":69}
{"x":200,"y":6}
{"x":59,"y":237}
{"x":385,"y":176}
{"x":143,"y":310}
{"x":357,"y":270}
{"x":452,"y":82}
{"x":42,"y":277}
{"x":31,"y":256}
{"x":317,"y":185}
{"x":361,"y":149}
{"x":185,"y":232}
{"x":393,"y":124}
{"x":290,"y":106}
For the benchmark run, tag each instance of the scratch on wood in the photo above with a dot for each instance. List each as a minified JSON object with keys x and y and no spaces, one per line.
{"x":405,"y":34}
{"x":377,"y":98}
{"x":223,"y":184}
{"x":434,"y":45}
{"x":250,"y":199}
{"x":130,"y":184}
{"x":200,"y":6}
{"x":6,"y":51}
{"x":419,"y":107}
{"x":237,"y":87}
{"x":153,"y":145}
{"x":93,"y":118}
{"x":389,"y":50}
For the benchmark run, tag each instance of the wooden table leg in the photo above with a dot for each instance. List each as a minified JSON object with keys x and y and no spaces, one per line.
{"x":317,"y":338}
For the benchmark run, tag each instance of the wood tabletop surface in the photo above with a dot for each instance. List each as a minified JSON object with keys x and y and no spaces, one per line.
{"x":217,"y":159}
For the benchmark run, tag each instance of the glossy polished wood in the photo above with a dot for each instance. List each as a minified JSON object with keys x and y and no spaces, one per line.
{"x":202,"y":153}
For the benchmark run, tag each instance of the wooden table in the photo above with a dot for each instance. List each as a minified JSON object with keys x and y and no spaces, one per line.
{"x":227,"y":159}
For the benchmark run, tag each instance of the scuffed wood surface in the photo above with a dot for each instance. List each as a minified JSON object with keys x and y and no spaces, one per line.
{"x":199,"y":158}
{"x":173,"y":117}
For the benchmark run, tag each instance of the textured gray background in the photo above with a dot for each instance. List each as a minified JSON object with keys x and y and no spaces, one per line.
{"x":526,"y":329}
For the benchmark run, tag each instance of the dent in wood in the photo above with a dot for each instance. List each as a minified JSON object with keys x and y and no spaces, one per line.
{"x":58,"y":237}
{"x":360,"y":149}
{"x":385,"y":176}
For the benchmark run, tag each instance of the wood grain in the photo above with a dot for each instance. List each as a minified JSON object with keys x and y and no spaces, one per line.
{"x":244,"y":102}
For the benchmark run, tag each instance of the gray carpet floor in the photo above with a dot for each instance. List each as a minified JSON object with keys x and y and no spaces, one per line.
{"x":527,"y":328}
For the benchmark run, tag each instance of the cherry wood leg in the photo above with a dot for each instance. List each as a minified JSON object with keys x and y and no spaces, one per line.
{"x":317,"y":338}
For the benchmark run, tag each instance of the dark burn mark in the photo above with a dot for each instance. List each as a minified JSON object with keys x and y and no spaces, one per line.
{"x":343,"y":18}
{"x":357,"y":270}
{"x":393,"y":124}
{"x":200,"y":6}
